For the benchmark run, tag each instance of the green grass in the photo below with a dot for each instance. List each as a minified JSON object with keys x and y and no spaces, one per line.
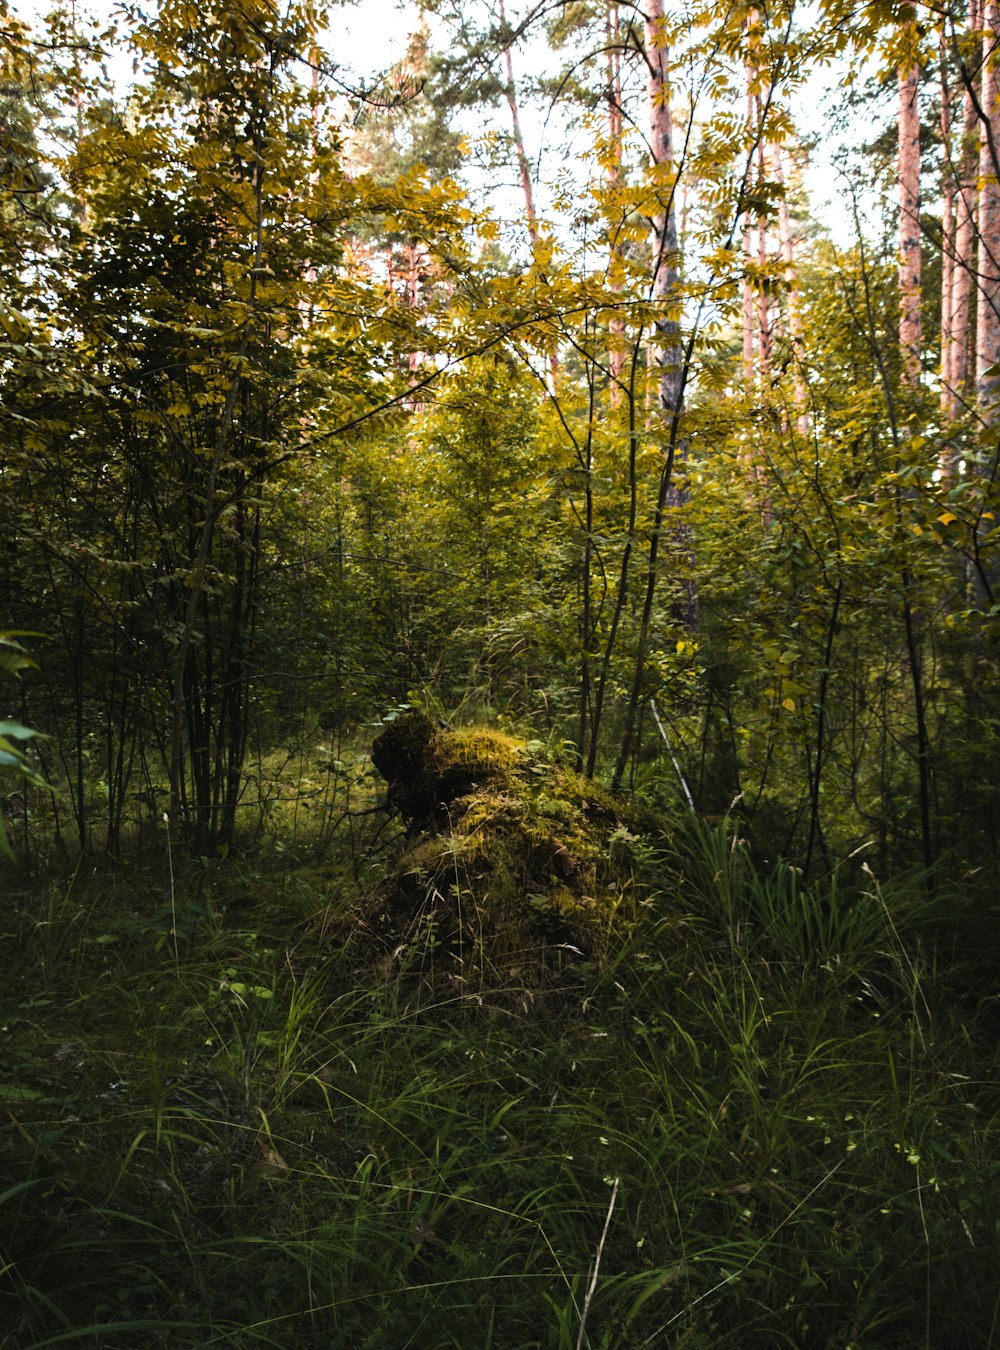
{"x":767,"y":1115}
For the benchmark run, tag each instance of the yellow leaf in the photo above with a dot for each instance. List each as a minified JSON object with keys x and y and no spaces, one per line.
{"x":269,"y":1163}
{"x":946,"y":517}
{"x":788,"y":704}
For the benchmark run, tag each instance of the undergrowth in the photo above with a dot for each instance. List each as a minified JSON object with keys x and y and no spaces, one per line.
{"x":763,"y":1114}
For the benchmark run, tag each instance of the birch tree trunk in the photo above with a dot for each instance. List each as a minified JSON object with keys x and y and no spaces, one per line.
{"x":909,"y":217}
{"x":988,"y":309}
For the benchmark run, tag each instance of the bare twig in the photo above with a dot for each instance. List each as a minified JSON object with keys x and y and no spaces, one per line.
{"x":597,"y":1267}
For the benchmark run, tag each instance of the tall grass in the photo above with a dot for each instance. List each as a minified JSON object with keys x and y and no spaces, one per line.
{"x":766,"y":1116}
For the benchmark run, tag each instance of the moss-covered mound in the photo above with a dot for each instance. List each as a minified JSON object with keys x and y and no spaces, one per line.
{"x":513,"y":866}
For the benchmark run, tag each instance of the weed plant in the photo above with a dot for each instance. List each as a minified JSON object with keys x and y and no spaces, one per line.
{"x":765,"y":1115}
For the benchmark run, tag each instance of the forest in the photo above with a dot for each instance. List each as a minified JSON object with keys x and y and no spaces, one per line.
{"x":500,"y":670}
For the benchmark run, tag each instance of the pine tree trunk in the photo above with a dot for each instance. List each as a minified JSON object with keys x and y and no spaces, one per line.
{"x":616,"y":325}
{"x":748,"y":315}
{"x":523,"y":165}
{"x":965,"y":235}
{"x":763,"y":299}
{"x":666,"y":361}
{"x":988,"y":316}
{"x":792,"y":298}
{"x":949,"y":407}
{"x":749,"y":345}
{"x":664,"y":349}
{"x":909,"y":220}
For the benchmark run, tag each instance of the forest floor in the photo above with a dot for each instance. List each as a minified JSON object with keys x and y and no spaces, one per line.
{"x":752,"y":1112}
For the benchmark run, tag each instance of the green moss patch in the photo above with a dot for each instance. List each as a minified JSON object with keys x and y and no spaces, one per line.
{"x":507,"y":875}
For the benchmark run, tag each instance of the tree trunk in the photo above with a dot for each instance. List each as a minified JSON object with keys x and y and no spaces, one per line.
{"x":949,"y":408}
{"x":909,"y":216}
{"x":667,"y":359}
{"x":751,"y":290}
{"x":764,"y":343}
{"x":616,"y":324}
{"x":523,"y":164}
{"x":988,"y":316}
{"x":965,"y":234}
{"x":664,"y":353}
{"x":748,"y":343}
{"x":793,"y":299}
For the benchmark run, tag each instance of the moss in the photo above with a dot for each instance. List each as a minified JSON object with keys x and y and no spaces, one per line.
{"x":428,"y":767}
{"x":423,"y":859}
{"x":470,"y":759}
{"x":507,"y":871}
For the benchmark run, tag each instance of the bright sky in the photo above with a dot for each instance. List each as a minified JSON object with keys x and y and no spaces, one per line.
{"x":369,"y":36}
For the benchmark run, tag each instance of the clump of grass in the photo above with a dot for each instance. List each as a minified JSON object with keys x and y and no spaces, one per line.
{"x":832,"y":918}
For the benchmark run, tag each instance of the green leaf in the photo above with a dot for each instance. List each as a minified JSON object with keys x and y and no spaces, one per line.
{"x":18,"y":732}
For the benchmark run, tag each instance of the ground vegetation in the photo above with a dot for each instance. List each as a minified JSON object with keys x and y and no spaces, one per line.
{"x":499,"y":766}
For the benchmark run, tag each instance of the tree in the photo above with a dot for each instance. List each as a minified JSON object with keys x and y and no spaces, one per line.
{"x":988,"y":224}
{"x":208,"y":337}
{"x":960,"y":168}
{"x":909,"y":206}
